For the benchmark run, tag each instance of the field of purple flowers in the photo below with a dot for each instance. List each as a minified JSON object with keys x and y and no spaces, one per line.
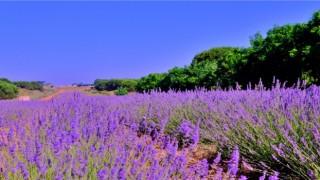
{"x":258,"y":133}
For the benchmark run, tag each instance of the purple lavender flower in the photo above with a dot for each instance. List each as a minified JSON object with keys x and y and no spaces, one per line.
{"x":113,"y":171}
{"x":234,"y":161}
{"x":102,"y":174}
{"x":122,"y":174}
{"x":247,"y":166}
{"x":304,"y":83}
{"x":24,"y":170}
{"x":49,"y":162}
{"x":243,"y":177}
{"x":275,"y":158}
{"x":186,"y":135}
{"x":218,"y":175}
{"x":311,"y":175}
{"x":274,"y":176}
{"x":179,"y":165}
{"x":58,"y":177}
{"x":134,"y":168}
{"x":263,"y":177}
{"x":140,"y":176}
{"x":14,"y":170}
{"x":43,"y":170}
{"x":203,"y":168}
{"x":37,"y":156}
{"x":171,"y":151}
{"x":11,"y":134}
{"x":217,"y":159}
{"x":12,"y":151}
{"x":142,"y":125}
{"x":316,"y":133}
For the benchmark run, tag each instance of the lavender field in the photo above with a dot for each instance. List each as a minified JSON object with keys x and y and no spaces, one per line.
{"x":255,"y":134}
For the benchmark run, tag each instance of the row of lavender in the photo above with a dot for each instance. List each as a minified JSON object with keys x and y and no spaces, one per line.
{"x":81,"y":137}
{"x":138,"y":136}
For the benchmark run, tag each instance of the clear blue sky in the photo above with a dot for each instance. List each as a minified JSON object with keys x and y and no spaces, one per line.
{"x":67,"y":42}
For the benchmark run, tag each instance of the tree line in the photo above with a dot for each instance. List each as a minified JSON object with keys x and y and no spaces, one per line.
{"x":10,"y":89}
{"x":287,"y":52}
{"x":33,"y":85}
{"x":114,"y":84}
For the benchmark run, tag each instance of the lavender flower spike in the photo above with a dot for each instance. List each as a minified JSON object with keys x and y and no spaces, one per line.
{"x":263,"y":177}
{"x":243,"y":178}
{"x":234,"y":161}
{"x":24,"y":170}
{"x":217,"y":159}
{"x":102,"y":174}
{"x":218,"y":175}
{"x":274,"y":176}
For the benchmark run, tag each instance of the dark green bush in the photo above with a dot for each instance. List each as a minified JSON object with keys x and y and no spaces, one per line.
{"x":152,"y":81}
{"x":113,"y":84}
{"x":8,"y":90}
{"x":107,"y":85}
{"x":129,"y":84}
{"x":29,"y":85}
{"x":5,"y":79}
{"x":121,"y":91}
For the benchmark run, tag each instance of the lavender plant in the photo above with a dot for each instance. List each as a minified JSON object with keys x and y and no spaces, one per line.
{"x":148,"y":136}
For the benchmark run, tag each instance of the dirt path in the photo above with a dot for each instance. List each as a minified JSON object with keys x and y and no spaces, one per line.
{"x":52,"y":96}
{"x":24,"y":98}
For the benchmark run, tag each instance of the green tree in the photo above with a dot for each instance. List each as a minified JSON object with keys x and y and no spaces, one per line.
{"x":218,"y":66}
{"x":113,"y":84}
{"x":120,"y":91}
{"x":311,"y":49}
{"x":129,"y":84}
{"x":29,"y":85}
{"x":5,"y":79}
{"x":152,"y":81}
{"x":213,"y":54}
{"x":99,"y":84}
{"x":175,"y":79}
{"x":8,"y":90}
{"x":202,"y":74}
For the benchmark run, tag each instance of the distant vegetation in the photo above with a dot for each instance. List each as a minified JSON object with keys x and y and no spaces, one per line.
{"x":81,"y":84}
{"x":10,"y":89}
{"x":121,"y":91}
{"x":113,"y":84}
{"x":287,"y":52}
{"x":34,"y":85}
{"x":7,"y":89}
{"x":5,"y":80}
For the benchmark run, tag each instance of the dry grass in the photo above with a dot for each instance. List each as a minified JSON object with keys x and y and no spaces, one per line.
{"x":36,"y":94}
{"x":50,"y":92}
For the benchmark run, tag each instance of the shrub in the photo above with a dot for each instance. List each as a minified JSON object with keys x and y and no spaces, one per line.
{"x":113,"y":84}
{"x":107,"y":85}
{"x":129,"y":84}
{"x":150,"y":82}
{"x":121,"y":91}
{"x":8,"y":90}
{"x":5,"y":79}
{"x":29,"y":85}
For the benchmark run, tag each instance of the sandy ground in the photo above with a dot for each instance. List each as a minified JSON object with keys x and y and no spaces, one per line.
{"x":48,"y":93}
{"x":52,"y":96}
